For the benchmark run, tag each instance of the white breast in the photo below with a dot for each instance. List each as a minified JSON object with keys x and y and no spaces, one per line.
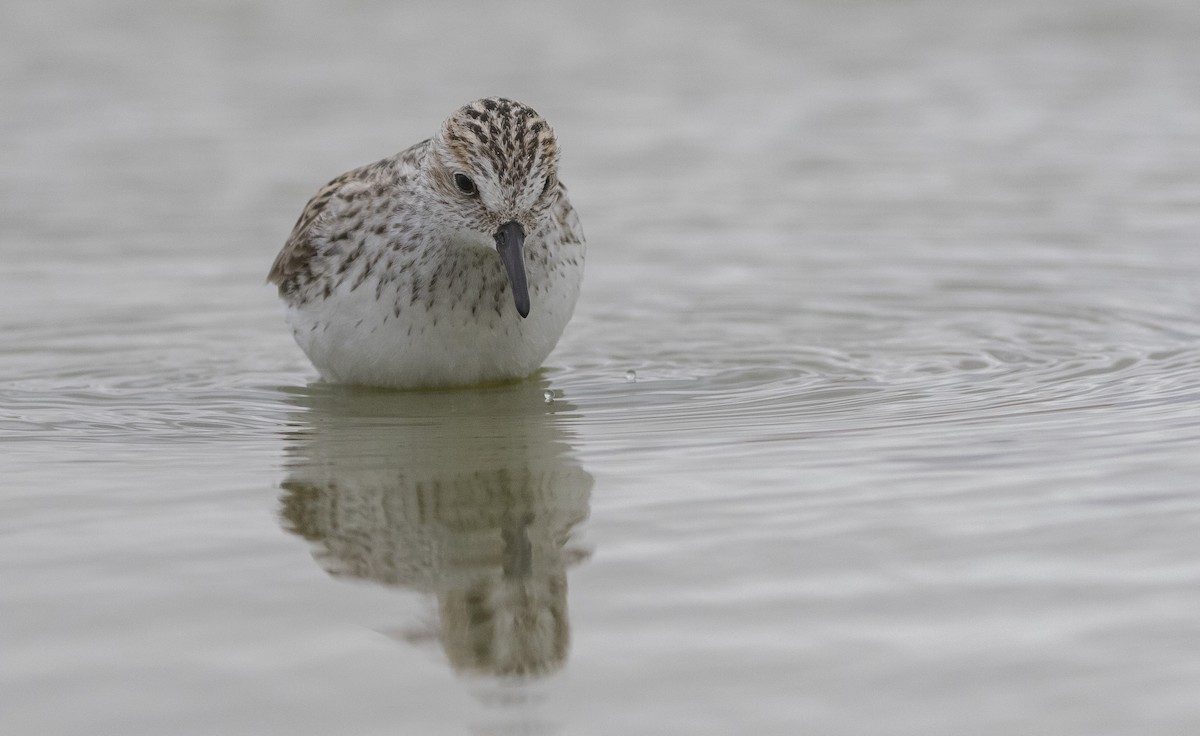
{"x":465,"y":332}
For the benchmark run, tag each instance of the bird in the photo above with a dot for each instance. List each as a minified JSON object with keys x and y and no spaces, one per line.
{"x":456,"y":262}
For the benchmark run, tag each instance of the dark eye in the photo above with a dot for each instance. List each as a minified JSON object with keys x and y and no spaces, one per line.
{"x":464,"y":183}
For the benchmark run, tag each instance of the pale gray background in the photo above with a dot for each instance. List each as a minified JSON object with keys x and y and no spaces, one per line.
{"x":910,"y":289}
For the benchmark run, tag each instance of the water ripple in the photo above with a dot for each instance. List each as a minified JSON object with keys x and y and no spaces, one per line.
{"x":1019,"y":372}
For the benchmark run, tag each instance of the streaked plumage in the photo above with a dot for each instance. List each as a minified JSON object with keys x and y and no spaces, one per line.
{"x":394,"y":275}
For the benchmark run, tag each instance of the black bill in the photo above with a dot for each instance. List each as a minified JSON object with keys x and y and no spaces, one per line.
{"x":510,"y":244}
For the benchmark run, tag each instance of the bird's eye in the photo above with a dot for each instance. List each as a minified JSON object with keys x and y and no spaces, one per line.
{"x":464,"y":184}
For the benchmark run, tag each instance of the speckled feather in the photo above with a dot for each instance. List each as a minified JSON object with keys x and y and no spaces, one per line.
{"x":391,"y":273}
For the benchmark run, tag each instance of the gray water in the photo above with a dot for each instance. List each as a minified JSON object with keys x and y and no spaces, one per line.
{"x":880,"y":412}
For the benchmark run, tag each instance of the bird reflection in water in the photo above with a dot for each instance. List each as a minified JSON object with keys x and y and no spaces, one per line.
{"x":469,"y":495}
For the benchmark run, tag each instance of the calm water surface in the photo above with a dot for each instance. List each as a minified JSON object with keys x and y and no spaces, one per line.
{"x":880,"y":412}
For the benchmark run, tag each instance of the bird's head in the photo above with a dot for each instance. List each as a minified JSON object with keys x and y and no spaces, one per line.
{"x":493,"y":173}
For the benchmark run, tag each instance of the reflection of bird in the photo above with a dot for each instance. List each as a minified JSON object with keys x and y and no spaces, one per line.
{"x":397,"y":273}
{"x":468,"y":495}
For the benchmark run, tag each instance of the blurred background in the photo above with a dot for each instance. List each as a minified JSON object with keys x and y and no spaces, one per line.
{"x":879,"y":412}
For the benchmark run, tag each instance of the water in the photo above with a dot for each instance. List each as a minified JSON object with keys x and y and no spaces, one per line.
{"x":880,"y":412}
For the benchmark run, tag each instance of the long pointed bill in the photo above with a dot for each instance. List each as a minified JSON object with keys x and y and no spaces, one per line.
{"x":510,"y":244}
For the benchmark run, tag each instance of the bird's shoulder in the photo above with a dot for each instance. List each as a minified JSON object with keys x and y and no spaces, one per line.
{"x":334,"y":208}
{"x":565,"y":219}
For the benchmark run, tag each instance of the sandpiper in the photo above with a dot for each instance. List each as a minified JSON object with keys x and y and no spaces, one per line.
{"x":453,"y":263}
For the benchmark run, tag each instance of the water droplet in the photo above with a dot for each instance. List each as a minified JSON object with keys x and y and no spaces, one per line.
{"x":548,"y":396}
{"x":630,"y":376}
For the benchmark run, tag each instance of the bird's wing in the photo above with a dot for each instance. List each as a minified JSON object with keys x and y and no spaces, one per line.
{"x":330,"y":211}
